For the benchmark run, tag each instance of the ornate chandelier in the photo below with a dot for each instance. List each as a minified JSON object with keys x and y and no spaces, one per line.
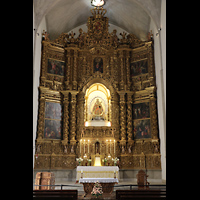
{"x":97,"y":3}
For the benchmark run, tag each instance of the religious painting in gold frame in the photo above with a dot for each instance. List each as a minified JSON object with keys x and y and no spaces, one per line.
{"x":53,"y":121}
{"x":98,"y":65}
{"x":56,"y":67}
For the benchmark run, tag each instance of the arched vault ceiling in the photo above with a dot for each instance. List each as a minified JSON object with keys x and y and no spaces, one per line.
{"x":134,"y":16}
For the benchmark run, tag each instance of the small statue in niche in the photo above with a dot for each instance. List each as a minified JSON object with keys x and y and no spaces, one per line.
{"x":156,"y":148}
{"x":65,"y":149}
{"x":38,"y":148}
{"x":72,"y":149}
{"x":123,"y":150}
{"x":129,"y":149}
{"x":97,"y":145}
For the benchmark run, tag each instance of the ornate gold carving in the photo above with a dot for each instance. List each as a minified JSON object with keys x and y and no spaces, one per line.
{"x":78,"y":54}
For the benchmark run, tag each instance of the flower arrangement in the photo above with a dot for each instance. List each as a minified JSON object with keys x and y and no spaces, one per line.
{"x":97,"y":189}
{"x":104,"y":161}
{"x":79,"y":160}
{"x":89,"y":160}
{"x":115,"y":160}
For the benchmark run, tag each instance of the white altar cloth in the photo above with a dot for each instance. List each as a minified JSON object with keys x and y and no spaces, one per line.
{"x":97,"y":172}
{"x":101,"y":180}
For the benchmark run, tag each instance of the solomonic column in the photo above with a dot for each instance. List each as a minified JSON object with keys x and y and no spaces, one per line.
{"x":65,"y":118}
{"x":73,"y":121}
{"x":122,"y":119}
{"x":129,"y":120}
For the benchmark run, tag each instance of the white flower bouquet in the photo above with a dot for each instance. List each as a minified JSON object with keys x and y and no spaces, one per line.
{"x":79,"y":160}
{"x":104,"y":161}
{"x":115,"y":160}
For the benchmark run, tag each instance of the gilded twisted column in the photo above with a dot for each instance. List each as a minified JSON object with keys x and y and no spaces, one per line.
{"x":40,"y":131}
{"x":80,"y":114}
{"x":129,"y":116}
{"x":122,"y":121}
{"x":65,"y":117}
{"x":129,"y":121}
{"x":73,"y":118}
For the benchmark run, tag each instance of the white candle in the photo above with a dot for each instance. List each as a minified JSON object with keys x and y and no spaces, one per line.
{"x":110,"y":147}
{"x":84,"y":147}
{"x":81,"y":170}
{"x":88,"y":146}
{"x":80,"y":145}
{"x":106,"y":146}
{"x":114,"y":148}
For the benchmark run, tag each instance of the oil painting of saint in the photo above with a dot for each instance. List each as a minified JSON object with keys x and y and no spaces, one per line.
{"x":53,"y":120}
{"x":53,"y":110}
{"x":142,"y":129}
{"x":56,"y":67}
{"x":141,"y":110}
{"x":140,"y":67}
{"x":98,"y":65}
{"x":52,"y":129}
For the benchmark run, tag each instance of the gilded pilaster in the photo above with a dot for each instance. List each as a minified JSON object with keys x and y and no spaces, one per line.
{"x":40,"y":132}
{"x":154,"y":121}
{"x":43,"y":63}
{"x":68,"y":74}
{"x":128,"y":70}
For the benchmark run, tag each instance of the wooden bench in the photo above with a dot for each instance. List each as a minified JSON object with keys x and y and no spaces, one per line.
{"x":141,"y":194}
{"x":55,"y":194}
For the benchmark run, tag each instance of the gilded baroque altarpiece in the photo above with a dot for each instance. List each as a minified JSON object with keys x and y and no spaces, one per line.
{"x":69,"y":66}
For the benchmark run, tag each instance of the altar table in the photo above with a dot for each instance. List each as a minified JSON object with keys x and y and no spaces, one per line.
{"x":97,"y":172}
{"x":106,"y":175}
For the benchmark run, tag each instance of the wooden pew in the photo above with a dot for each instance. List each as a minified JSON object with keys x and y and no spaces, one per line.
{"x":55,"y":194}
{"x":141,"y":194}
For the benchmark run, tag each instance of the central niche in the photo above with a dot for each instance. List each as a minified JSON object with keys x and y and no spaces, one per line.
{"x":97,"y":105}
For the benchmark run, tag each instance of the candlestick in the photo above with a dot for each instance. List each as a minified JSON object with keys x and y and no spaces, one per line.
{"x":81,"y":173}
{"x":80,"y":146}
